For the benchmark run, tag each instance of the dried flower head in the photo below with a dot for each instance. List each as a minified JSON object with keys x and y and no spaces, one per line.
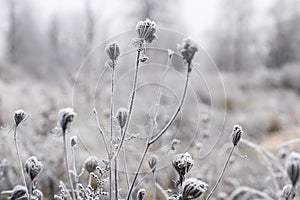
{"x":18,"y":192}
{"x":146,"y":30}
{"x":187,"y":49}
{"x":38,"y":194}
{"x":112,"y":51}
{"x":152,"y":162}
{"x":91,"y":164}
{"x":65,"y":117}
{"x":33,"y":167}
{"x":192,"y":188}
{"x":141,"y":194}
{"x":121,"y":116}
{"x":237,"y":133}
{"x":183,"y":163}
{"x":19,"y":116}
{"x":293,"y":167}
{"x":74,"y":141}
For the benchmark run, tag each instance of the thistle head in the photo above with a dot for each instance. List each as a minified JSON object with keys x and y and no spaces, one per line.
{"x":91,"y":164}
{"x":19,"y":116}
{"x":146,"y":30}
{"x":18,"y":192}
{"x":121,"y":116}
{"x":183,"y":163}
{"x":141,"y":194}
{"x":74,"y":141}
{"x":65,"y":118}
{"x":293,"y":167}
{"x":193,"y":188}
{"x":237,"y":133}
{"x":112,"y":51}
{"x":33,"y":167}
{"x":152,"y":162}
{"x":187,"y":49}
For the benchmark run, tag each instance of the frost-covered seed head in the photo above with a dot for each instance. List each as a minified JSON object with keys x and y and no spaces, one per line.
{"x":192,"y":188}
{"x":65,"y":117}
{"x":187,"y":49}
{"x":146,"y":30}
{"x":237,"y":133}
{"x":18,"y":192}
{"x":91,"y":164}
{"x":121,"y":116}
{"x":74,"y":141}
{"x":141,"y":194}
{"x":287,"y":191}
{"x":38,"y":194}
{"x":293,"y":167}
{"x":33,"y":167}
{"x":152,"y":162}
{"x":112,"y":51}
{"x":19,"y":116}
{"x":144,"y":58}
{"x":183,"y":163}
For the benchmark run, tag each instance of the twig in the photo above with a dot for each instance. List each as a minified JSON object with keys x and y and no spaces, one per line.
{"x":67,"y":165}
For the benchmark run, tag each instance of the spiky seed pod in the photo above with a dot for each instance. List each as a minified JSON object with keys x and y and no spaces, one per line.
{"x":65,"y":117}
{"x":19,"y":116}
{"x":18,"y":192}
{"x":33,"y":167}
{"x":293,"y":167}
{"x":192,"y":188}
{"x":141,"y":194}
{"x":146,"y":30}
{"x":183,"y":163}
{"x":91,"y":164}
{"x":152,"y":162}
{"x":112,"y":51}
{"x":187,"y":49}
{"x":74,"y":141}
{"x":287,"y":191}
{"x":121,"y":116}
{"x":236,"y":135}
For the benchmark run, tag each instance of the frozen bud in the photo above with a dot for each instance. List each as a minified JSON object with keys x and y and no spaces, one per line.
{"x":74,"y":141}
{"x":18,"y":192}
{"x":38,"y":194}
{"x":141,"y":194}
{"x":192,"y":188}
{"x":33,"y":167}
{"x":187,"y":49}
{"x":183,"y":163}
{"x":122,"y":114}
{"x":287,"y":191}
{"x":146,"y":30}
{"x":65,"y":117}
{"x":91,"y":164}
{"x":293,"y":167}
{"x":112,"y":51}
{"x":144,"y":58}
{"x":152,"y":162}
{"x":237,"y":133}
{"x":19,"y":116}
{"x":174,"y":143}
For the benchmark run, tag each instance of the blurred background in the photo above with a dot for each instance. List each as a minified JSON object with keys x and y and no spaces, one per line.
{"x":254,"y":44}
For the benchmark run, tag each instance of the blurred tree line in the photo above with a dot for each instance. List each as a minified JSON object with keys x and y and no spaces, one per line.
{"x":55,"y":49}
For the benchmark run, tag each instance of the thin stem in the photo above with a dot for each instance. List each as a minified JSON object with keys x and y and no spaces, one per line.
{"x":111,"y":128}
{"x":222,"y":173}
{"x":67,"y":165}
{"x":116,"y":178}
{"x":154,"y":186}
{"x":19,"y":157}
{"x":101,"y":132}
{"x":125,"y":163}
{"x":239,"y":190}
{"x":162,"y":131}
{"x":75,"y":171}
{"x":30,"y":189}
{"x":137,"y":171}
{"x":131,"y":103}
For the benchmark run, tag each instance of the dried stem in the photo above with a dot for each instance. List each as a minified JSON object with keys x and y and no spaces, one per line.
{"x":222,"y":173}
{"x":101,"y":133}
{"x":75,"y":171}
{"x":162,"y":131}
{"x":250,"y":190}
{"x":154,"y":185}
{"x":125,"y":163}
{"x":116,"y":179}
{"x":19,"y":157}
{"x":67,"y":165}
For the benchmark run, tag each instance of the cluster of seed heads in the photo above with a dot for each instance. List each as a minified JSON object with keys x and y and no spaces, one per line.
{"x":193,"y":188}
{"x":19,"y":116}
{"x":18,"y":192}
{"x":187,"y":49}
{"x":183,"y":163}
